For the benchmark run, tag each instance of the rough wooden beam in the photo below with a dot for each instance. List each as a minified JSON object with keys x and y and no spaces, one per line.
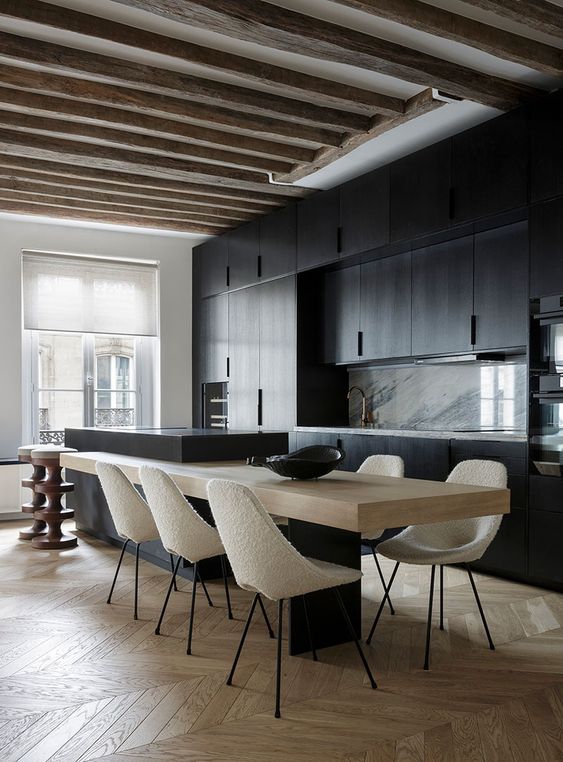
{"x":292,"y":83}
{"x":270,"y":25}
{"x":143,"y":143}
{"x":498,"y":42}
{"x":44,"y":190}
{"x":144,"y":102}
{"x":57,"y":212}
{"x":119,"y":71}
{"x":535,"y":14}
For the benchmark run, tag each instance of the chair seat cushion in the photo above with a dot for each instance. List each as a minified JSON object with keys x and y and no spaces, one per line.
{"x":327,"y":575}
{"x":405,"y":550}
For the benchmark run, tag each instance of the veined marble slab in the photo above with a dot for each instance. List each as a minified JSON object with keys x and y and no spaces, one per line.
{"x":490,"y":436}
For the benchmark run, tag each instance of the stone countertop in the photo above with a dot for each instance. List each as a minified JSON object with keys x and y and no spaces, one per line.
{"x":481,"y":435}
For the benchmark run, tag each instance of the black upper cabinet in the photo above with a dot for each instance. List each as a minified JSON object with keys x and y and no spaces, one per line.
{"x":244,"y":249}
{"x":546,"y":167}
{"x":420,"y":192}
{"x":318,"y":220}
{"x":212,"y":261}
{"x":364,"y":212}
{"x":442,"y":297}
{"x":244,"y":354}
{"x":342,"y":315}
{"x":490,"y":168}
{"x":501,"y":287}
{"x":213,"y":338}
{"x":546,"y":237}
{"x":278,"y":242}
{"x":385,"y":312}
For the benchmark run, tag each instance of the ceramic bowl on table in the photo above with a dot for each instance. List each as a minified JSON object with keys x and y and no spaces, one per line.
{"x":307,"y":463}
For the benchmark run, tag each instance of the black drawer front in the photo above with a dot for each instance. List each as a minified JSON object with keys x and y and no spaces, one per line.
{"x":546,"y":494}
{"x":508,"y":551}
{"x":518,"y":486}
{"x":512,"y":454}
{"x":546,"y":545}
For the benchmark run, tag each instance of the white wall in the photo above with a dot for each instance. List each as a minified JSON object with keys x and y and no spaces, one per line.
{"x":175,"y":257}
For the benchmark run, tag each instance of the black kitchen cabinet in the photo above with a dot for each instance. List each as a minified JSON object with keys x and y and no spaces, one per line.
{"x":342,"y":315}
{"x":420,"y":192}
{"x":546,"y":243}
{"x":278,"y":354}
{"x":244,"y":250}
{"x":424,"y":458}
{"x":210,"y":347}
{"x":501,"y":287}
{"x":490,"y":168}
{"x":211,"y":264}
{"x":364,"y":212}
{"x":442,"y":297}
{"x":318,"y":221}
{"x":278,"y":242}
{"x":385,"y":307}
{"x":546,"y":146}
{"x":244,"y":358}
{"x":545,"y":561}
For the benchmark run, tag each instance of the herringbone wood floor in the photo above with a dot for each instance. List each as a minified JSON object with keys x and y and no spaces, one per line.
{"x":80,"y":680}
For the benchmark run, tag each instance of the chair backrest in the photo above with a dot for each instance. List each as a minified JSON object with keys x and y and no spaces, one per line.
{"x":182,"y":530}
{"x":260,"y":556}
{"x":383,"y":465}
{"x":130,"y":513}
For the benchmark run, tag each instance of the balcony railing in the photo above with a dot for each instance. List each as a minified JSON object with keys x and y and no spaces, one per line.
{"x":109,"y":417}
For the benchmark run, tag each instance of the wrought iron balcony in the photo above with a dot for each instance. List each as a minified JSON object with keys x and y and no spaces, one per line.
{"x":109,"y":417}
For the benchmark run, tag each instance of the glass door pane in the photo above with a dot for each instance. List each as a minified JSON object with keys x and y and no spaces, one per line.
{"x":60,"y":385}
{"x":115,"y":393}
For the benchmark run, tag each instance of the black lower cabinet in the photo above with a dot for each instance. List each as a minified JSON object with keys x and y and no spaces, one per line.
{"x":546,"y":531}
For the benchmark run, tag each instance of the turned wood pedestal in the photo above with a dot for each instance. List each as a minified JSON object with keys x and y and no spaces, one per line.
{"x":37,"y":500}
{"x":52,"y":513}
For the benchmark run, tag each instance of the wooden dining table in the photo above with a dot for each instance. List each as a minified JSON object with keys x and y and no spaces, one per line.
{"x":326,"y":518}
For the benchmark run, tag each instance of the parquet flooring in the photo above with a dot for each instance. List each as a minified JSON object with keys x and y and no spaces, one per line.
{"x":80,"y":680}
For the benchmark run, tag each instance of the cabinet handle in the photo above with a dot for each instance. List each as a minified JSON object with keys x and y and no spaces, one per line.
{"x":338,"y":240}
{"x":473,"y":329}
{"x":228,"y":276}
{"x":451,"y":213}
{"x":360,"y":343}
{"x":259,"y":407}
{"x":228,"y":367}
{"x":259,"y":265}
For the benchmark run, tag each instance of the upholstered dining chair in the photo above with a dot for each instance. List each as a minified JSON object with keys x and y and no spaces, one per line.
{"x":265,"y":563}
{"x":381,"y":465}
{"x":448,"y":542}
{"x":131,"y":516}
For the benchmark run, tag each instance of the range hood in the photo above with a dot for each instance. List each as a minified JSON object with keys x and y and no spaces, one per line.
{"x":468,"y":359}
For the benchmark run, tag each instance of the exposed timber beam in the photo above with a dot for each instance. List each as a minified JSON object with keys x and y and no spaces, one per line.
{"x":535,"y":14}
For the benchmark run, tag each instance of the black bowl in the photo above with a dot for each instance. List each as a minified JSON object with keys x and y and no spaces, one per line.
{"x":307,"y":463}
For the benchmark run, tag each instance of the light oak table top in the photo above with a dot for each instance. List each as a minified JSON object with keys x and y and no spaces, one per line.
{"x":342,"y":499}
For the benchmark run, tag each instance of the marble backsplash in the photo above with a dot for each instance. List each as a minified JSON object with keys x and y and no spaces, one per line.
{"x":443,"y":397}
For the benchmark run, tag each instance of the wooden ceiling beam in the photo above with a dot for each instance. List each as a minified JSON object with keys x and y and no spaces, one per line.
{"x":442,"y":23}
{"x":137,"y":141}
{"x":84,"y":215}
{"x":154,"y":104}
{"x":276,"y":27}
{"x":534,"y":14}
{"x":292,"y":83}
{"x":119,"y":71}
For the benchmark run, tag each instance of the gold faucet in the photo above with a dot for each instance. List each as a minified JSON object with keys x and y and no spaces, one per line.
{"x":365,"y":415}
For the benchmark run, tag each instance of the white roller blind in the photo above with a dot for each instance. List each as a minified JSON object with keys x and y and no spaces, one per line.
{"x":89,"y":294}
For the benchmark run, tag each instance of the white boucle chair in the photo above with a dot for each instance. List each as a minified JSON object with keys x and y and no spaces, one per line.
{"x":448,"y":542}
{"x":183,"y":532}
{"x":265,"y":563}
{"x":381,"y":465}
{"x":131,"y":516}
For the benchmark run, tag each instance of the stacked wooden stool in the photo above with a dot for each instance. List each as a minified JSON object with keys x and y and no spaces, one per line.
{"x":48,"y":487}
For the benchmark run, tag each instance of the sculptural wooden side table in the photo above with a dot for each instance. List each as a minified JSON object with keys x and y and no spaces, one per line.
{"x":53,"y":488}
{"x":37,"y":500}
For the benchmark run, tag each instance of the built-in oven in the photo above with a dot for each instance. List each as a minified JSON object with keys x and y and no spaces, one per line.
{"x":546,"y":387}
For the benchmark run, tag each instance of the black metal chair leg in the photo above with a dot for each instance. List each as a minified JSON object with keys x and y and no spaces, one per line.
{"x":125,"y":544}
{"x":441,"y":597}
{"x":170,"y":586}
{"x":226,"y":583}
{"x":243,"y":638}
{"x":429,"y":621}
{"x":476,"y":594}
{"x":173,"y":572}
{"x":354,"y":636}
{"x":308,"y":624}
{"x":382,"y":604}
{"x":209,"y":601}
{"x":268,"y":625}
{"x":278,"y":660}
{"x":136,"y":579}
{"x":192,"y":612}
{"x":382,"y":578}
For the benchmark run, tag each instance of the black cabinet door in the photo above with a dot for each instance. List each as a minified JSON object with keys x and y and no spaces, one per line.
{"x":546,"y":243}
{"x":545,"y":533}
{"x":424,"y":458}
{"x":420,"y":192}
{"x":342,"y":315}
{"x":278,"y":354}
{"x":490,"y":167}
{"x":278,"y":242}
{"x":244,"y":354}
{"x":213,"y":338}
{"x":244,"y":249}
{"x":442,"y":297}
{"x":358,"y":447}
{"x":364,"y":212}
{"x":385,"y":307}
{"x":318,"y":220}
{"x":501,"y":287}
{"x":546,"y":161}
{"x":211,"y":265}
